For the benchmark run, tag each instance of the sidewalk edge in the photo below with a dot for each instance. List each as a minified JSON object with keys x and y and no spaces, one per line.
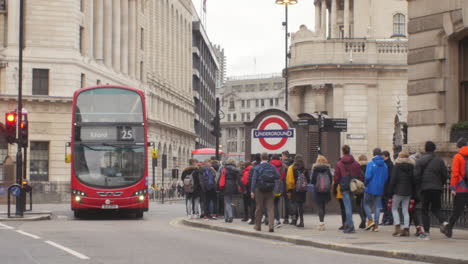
{"x":336,"y":247}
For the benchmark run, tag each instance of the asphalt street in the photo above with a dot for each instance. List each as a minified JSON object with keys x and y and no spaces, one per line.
{"x":157,"y":238}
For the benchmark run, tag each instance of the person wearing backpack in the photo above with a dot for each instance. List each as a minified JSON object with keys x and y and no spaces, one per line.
{"x":346,"y":169}
{"x":287,"y":162}
{"x":279,"y":187}
{"x":401,"y":188}
{"x":458,"y":184}
{"x":263,"y":183}
{"x":297,"y":187}
{"x":362,"y":159}
{"x":231,"y":176}
{"x":208,"y":180}
{"x":192,"y":189}
{"x":431,"y":175}
{"x":246,"y":193}
{"x":322,"y":180}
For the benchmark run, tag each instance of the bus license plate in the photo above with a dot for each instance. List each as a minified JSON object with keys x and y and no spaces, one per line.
{"x":110,"y":206}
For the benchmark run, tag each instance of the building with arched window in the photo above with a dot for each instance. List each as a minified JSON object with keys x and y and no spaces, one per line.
{"x":438,"y":73}
{"x":353,"y":66}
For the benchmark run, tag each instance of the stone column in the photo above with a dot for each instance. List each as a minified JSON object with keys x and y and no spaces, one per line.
{"x":90,"y":31}
{"x":317,"y":16}
{"x":323,"y":23}
{"x":98,"y":29}
{"x":116,"y":35}
{"x":346,"y":19}
{"x":124,"y":36}
{"x":13,"y":22}
{"x":372,"y":118}
{"x":333,"y":23}
{"x":108,"y":32}
{"x":132,"y":13}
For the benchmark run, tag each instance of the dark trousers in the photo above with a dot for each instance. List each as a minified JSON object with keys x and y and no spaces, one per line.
{"x":276,"y":202}
{"x":415,"y":215}
{"x":286,"y":205}
{"x":343,"y":211}
{"x":321,"y":211}
{"x":210,"y":202}
{"x":387,"y":217}
{"x":248,"y":206}
{"x":264,"y":199}
{"x":459,"y":203}
{"x":203,"y":205}
{"x":431,"y":200}
{"x":360,"y":206}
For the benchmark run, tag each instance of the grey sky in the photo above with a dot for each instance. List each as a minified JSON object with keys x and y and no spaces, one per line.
{"x":250,"y":31}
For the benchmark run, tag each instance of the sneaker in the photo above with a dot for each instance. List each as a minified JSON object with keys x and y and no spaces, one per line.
{"x":277,"y":223}
{"x":448,"y":232}
{"x":362,"y":225}
{"x":213,"y":217}
{"x":321,"y":227}
{"x":375,"y":228}
{"x":286,"y":221}
{"x":300,"y":224}
{"x":244,"y":219}
{"x":349,"y":230}
{"x":370,"y":224}
{"x":443,"y":227}
{"x":424,"y":236}
{"x":341,"y":228}
{"x":419,"y":231}
{"x":250,"y":222}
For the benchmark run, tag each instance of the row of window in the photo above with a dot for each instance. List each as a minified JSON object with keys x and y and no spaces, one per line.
{"x":38,"y":160}
{"x":243,"y":117}
{"x":258,"y":103}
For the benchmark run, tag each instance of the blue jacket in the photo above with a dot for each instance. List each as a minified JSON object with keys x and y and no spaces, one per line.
{"x":376,"y":176}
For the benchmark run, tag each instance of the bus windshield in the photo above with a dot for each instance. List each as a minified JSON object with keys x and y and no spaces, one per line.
{"x":109,"y":105}
{"x":109,"y":166}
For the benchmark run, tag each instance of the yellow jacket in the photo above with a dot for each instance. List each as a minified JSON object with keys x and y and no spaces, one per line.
{"x":290,"y":182}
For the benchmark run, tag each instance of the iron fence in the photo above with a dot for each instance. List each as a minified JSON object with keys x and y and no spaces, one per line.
{"x":447,"y":206}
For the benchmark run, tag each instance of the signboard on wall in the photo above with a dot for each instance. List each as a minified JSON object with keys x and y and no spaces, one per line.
{"x":273,"y":135}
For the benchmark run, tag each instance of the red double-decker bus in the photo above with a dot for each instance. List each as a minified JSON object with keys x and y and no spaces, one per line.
{"x":109,"y":166}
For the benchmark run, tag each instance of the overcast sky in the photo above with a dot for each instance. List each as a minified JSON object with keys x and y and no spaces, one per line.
{"x":251,"y":32}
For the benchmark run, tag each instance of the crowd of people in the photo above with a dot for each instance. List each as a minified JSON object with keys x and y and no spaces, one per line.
{"x":406,"y":191}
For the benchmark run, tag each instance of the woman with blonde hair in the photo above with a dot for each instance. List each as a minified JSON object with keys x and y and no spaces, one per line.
{"x":322,"y":180}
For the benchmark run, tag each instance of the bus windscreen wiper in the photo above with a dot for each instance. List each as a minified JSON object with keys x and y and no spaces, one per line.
{"x":121,"y":147}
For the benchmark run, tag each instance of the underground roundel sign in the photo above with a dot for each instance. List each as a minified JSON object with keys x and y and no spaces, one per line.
{"x":273,"y":135}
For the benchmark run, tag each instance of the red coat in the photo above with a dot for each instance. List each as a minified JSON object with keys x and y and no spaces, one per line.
{"x":458,"y":171}
{"x":346,"y":163}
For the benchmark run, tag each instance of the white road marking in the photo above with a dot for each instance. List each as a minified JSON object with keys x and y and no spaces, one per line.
{"x":27,"y":234}
{"x":69,"y":251}
{"x":6,"y":227}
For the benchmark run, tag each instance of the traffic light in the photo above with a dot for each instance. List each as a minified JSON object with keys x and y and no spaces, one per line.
{"x":24,"y":133}
{"x":10,"y":127}
{"x":216,"y":131}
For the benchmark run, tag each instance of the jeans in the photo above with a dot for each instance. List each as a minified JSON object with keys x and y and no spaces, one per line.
{"x":460,"y":201}
{"x":347,"y":200}
{"x":191,"y":205}
{"x":246,"y":199}
{"x":432,"y":199}
{"x":360,"y":205}
{"x":404,"y":200}
{"x":264,"y":199}
{"x":227,"y":206}
{"x":276,"y":202}
{"x":210,"y":200}
{"x":376,"y":200}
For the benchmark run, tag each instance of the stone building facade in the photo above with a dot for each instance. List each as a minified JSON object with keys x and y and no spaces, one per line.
{"x":222,"y":60}
{"x":74,"y":44}
{"x":438,"y":70}
{"x":205,"y":73}
{"x":354,"y":66}
{"x":242,"y":98}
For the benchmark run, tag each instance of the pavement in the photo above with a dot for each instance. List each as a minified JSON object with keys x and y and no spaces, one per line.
{"x":437,"y":250}
{"x":27,"y":216}
{"x":157,"y":238}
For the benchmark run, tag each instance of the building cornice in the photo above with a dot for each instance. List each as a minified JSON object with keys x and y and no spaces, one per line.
{"x":171,"y":127}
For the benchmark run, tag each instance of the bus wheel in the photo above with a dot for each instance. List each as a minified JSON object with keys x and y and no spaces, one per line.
{"x":139,"y":214}
{"x":77,"y":213}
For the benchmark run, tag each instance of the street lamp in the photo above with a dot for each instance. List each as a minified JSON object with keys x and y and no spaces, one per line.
{"x":286,"y":3}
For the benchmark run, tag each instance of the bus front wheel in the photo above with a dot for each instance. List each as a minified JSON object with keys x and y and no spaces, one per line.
{"x":77,"y":213}
{"x":139,"y":214}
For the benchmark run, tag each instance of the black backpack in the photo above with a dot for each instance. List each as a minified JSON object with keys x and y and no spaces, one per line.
{"x":266,"y":177}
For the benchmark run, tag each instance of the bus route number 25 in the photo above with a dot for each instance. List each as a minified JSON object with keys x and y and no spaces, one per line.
{"x":126,"y":133}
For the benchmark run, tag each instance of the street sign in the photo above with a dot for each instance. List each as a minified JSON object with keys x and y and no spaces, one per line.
{"x":15,"y":191}
{"x":307,"y":122}
{"x":273,"y":136}
{"x":335,"y":124}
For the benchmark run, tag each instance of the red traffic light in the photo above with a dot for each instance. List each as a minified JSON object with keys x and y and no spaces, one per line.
{"x":10,"y":118}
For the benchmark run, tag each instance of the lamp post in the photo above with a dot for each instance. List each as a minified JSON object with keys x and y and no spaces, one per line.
{"x":286,"y":3}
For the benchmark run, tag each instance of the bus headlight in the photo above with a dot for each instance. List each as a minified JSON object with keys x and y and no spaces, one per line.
{"x":77,"y":199}
{"x":140,"y":192}
{"x":141,"y":198}
{"x":78,"y":195}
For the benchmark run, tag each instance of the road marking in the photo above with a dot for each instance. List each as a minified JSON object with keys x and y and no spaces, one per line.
{"x":27,"y":234}
{"x":70,"y":251}
{"x":6,"y":227}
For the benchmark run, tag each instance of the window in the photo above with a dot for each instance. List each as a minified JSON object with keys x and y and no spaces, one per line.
{"x":248,"y":116}
{"x":81,"y":5}
{"x":234,"y":117}
{"x":39,"y":161}
{"x":83,"y":80}
{"x":142,"y":34}
{"x":399,"y":24}
{"x":248,"y":103}
{"x":463,"y":80}
{"x":243,"y":103}
{"x":263,"y":102}
{"x":271,"y":102}
{"x":256,"y":103}
{"x":276,"y":101}
{"x":98,"y":82}
{"x":141,"y":71}
{"x":243,"y":117}
{"x":81,"y":40}
{"x":231,"y":104}
{"x":229,"y":117}
{"x":40,"y":82}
